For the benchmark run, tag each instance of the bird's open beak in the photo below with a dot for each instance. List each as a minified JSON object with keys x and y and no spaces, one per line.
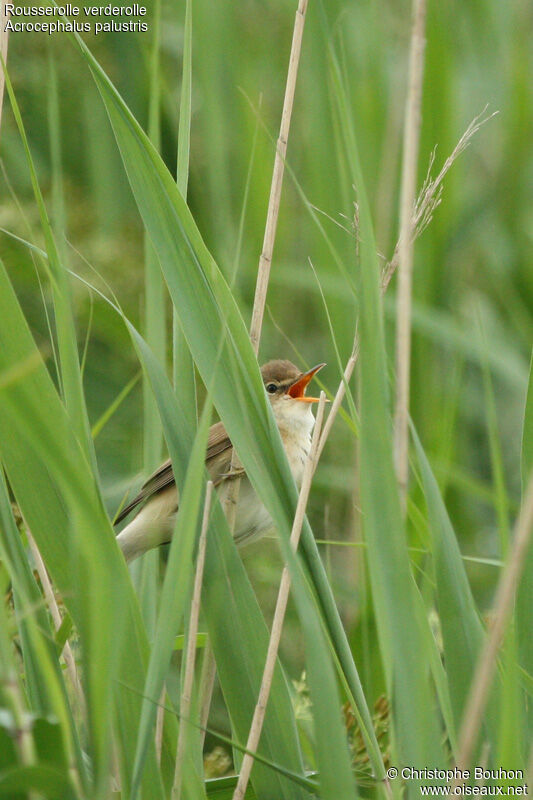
{"x":297,"y":390}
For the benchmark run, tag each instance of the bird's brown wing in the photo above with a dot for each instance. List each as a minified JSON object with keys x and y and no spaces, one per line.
{"x":217,"y":443}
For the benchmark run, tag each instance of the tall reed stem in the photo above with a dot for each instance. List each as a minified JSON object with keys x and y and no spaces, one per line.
{"x":428,"y":200}
{"x":231,"y":497}
{"x":265,"y":259}
{"x":70,"y":662}
{"x":186,"y":694}
{"x":503,"y":605}
{"x":3,"y":51}
{"x":405,"y":273}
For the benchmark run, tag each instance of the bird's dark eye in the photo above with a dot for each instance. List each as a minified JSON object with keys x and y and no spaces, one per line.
{"x":271,"y":388}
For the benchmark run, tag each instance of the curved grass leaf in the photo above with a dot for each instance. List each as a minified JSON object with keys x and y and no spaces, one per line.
{"x":231,"y":610}
{"x":59,"y":498}
{"x":176,"y":588}
{"x":404,"y":644}
{"x":208,"y":314}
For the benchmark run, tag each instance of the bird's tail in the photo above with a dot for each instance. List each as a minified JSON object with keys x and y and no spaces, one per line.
{"x":151,"y":528}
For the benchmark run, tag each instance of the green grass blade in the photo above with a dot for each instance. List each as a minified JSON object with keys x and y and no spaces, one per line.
{"x":194,"y":281}
{"x":176,"y":587}
{"x":462,"y":631}
{"x":155,"y":313}
{"x":336,"y":778}
{"x":511,"y":697}
{"x":527,"y":431}
{"x":104,"y":418}
{"x":145,"y":573}
{"x":184,"y":130}
{"x":231,"y":610}
{"x":58,"y":496}
{"x":524,"y":595}
{"x":182,"y":362}
{"x":43,"y":780}
{"x":440,"y":676}
{"x":498,"y":472}
{"x":403,"y":644}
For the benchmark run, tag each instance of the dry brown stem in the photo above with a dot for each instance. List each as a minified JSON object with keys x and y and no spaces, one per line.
{"x":3,"y":52}
{"x":265,"y":259}
{"x":207,"y":683}
{"x":430,"y":196}
{"x":186,"y":694}
{"x":428,"y":200}
{"x":57,"y":619}
{"x":263,"y":273}
{"x":159,"y":724}
{"x":411,"y":139}
{"x":503,"y":605}
{"x":231,"y":493}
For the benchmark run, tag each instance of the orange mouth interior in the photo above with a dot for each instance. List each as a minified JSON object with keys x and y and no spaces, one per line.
{"x":297,"y":390}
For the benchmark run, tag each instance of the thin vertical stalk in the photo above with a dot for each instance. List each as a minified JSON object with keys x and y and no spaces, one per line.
{"x":407,"y":207}
{"x":145,"y":572}
{"x":263,"y":273}
{"x":503,"y":605}
{"x":339,"y":395}
{"x":182,"y":362}
{"x":231,"y":495}
{"x":153,"y":281}
{"x":184,"y":129}
{"x":70,"y":662}
{"x":426,"y":203}
{"x":159,"y":725}
{"x":185,"y":701}
{"x":3,"y":51}
{"x":265,"y":259}
{"x":279,"y":614}
{"x":207,"y":683}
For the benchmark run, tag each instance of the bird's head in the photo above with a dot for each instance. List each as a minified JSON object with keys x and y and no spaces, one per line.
{"x":285,"y":386}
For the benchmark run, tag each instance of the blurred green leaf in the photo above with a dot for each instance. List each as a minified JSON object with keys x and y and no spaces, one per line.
{"x":48,"y":738}
{"x":71,"y":381}
{"x":44,"y":677}
{"x":50,"y":782}
{"x":524,"y":594}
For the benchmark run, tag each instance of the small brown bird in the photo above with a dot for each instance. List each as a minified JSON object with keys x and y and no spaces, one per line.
{"x":285,"y":385}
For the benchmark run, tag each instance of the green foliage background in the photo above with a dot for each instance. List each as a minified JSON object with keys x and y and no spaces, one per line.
{"x":473,"y":284}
